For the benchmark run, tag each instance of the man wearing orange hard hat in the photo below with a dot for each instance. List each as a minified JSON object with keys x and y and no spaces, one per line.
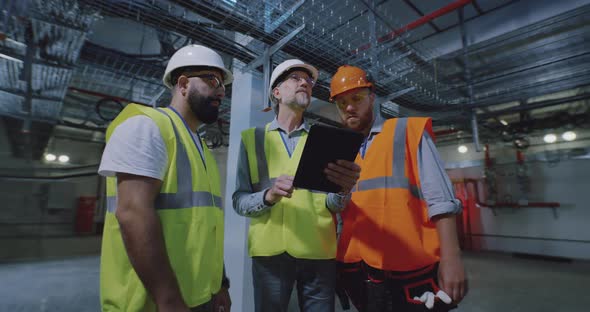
{"x":398,"y":247}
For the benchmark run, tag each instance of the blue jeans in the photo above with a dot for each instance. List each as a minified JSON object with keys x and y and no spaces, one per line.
{"x":274,"y":278}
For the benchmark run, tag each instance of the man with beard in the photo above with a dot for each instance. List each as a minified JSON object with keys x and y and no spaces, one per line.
{"x":398,"y":248}
{"x":292,"y":236}
{"x":162,"y":247}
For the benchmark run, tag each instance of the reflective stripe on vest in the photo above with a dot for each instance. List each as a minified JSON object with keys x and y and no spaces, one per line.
{"x":264,"y":181}
{"x":185,"y":197}
{"x":398,"y":178}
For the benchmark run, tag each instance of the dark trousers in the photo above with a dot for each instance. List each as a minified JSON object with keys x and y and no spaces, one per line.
{"x":205,"y":307}
{"x":374,"y":290}
{"x":275,"y":276}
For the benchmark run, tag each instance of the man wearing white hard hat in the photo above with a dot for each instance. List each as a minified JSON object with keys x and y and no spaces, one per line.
{"x":162,"y":247}
{"x":292,"y":235}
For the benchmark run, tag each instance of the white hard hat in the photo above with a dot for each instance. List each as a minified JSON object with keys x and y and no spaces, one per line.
{"x":286,"y":66}
{"x":195,"y":55}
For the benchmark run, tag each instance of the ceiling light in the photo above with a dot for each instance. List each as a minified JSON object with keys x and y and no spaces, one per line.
{"x":504,"y":122}
{"x":550,"y":138}
{"x":50,"y":157}
{"x":462,"y":149}
{"x":63,"y":158}
{"x":569,"y":135}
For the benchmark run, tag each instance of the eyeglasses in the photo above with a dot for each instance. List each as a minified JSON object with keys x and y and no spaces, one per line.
{"x":298,"y":78}
{"x":212,"y":80}
{"x":354,"y":100}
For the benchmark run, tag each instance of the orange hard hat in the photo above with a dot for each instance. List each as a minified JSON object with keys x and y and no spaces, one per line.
{"x":346,"y":78}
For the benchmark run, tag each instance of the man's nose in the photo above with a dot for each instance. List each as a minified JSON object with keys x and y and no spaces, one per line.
{"x":350,"y":107}
{"x":220,"y":93}
{"x":303,"y":82}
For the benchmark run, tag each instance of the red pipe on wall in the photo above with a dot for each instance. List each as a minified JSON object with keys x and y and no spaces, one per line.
{"x":520,"y":158}
{"x":419,"y":22}
{"x":488,"y":159}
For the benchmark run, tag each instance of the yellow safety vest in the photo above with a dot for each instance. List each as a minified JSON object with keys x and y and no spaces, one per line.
{"x":189,"y":208}
{"x":301,"y":225}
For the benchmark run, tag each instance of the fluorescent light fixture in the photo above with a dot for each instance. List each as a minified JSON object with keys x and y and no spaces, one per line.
{"x":504,"y":122}
{"x":462,"y":149}
{"x":550,"y":138}
{"x":569,"y":136}
{"x":50,"y":157}
{"x":63,"y":158}
{"x":10,"y":58}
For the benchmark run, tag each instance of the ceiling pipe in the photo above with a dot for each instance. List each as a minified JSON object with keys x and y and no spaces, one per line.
{"x":441,"y":133}
{"x":537,"y":105}
{"x":120,"y":99}
{"x":417,"y":23}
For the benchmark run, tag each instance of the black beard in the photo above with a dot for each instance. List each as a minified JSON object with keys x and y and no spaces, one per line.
{"x":202,"y":107}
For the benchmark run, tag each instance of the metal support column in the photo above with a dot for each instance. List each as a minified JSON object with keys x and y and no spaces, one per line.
{"x":468,"y":81}
{"x":27,"y":107}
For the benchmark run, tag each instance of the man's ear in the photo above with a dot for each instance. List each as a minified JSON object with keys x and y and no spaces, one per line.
{"x":276,"y":93}
{"x":182,"y":84}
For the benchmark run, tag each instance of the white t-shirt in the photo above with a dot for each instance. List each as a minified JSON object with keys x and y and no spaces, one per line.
{"x":135,"y":147}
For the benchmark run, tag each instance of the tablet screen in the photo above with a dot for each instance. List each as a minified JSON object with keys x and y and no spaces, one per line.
{"x":324,"y":145}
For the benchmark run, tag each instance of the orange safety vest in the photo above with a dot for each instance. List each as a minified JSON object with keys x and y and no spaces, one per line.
{"x":386,"y":223}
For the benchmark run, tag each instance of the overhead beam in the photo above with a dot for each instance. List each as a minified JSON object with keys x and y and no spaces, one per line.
{"x":273,"y":49}
{"x":399,"y":93}
{"x":272,"y":26}
{"x":417,"y":23}
{"x":396,"y":76}
{"x":22,"y":94}
{"x":490,"y":32}
{"x":477,"y":7}
{"x":419,"y":12}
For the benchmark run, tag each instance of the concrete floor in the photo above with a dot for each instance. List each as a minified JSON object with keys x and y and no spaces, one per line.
{"x":497,"y":283}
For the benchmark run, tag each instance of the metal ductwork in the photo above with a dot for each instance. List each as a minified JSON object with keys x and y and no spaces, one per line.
{"x":40,"y":45}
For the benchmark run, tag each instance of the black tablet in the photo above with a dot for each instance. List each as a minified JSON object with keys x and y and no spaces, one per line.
{"x":324,"y":145}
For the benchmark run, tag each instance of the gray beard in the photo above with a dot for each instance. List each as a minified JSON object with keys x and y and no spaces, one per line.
{"x":301,"y":101}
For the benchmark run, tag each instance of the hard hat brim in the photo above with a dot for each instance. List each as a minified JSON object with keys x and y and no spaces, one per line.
{"x":306,"y":67}
{"x":228,"y":76}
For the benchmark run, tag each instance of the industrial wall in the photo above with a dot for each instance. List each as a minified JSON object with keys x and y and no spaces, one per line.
{"x":551,"y":174}
{"x":39,"y":201}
